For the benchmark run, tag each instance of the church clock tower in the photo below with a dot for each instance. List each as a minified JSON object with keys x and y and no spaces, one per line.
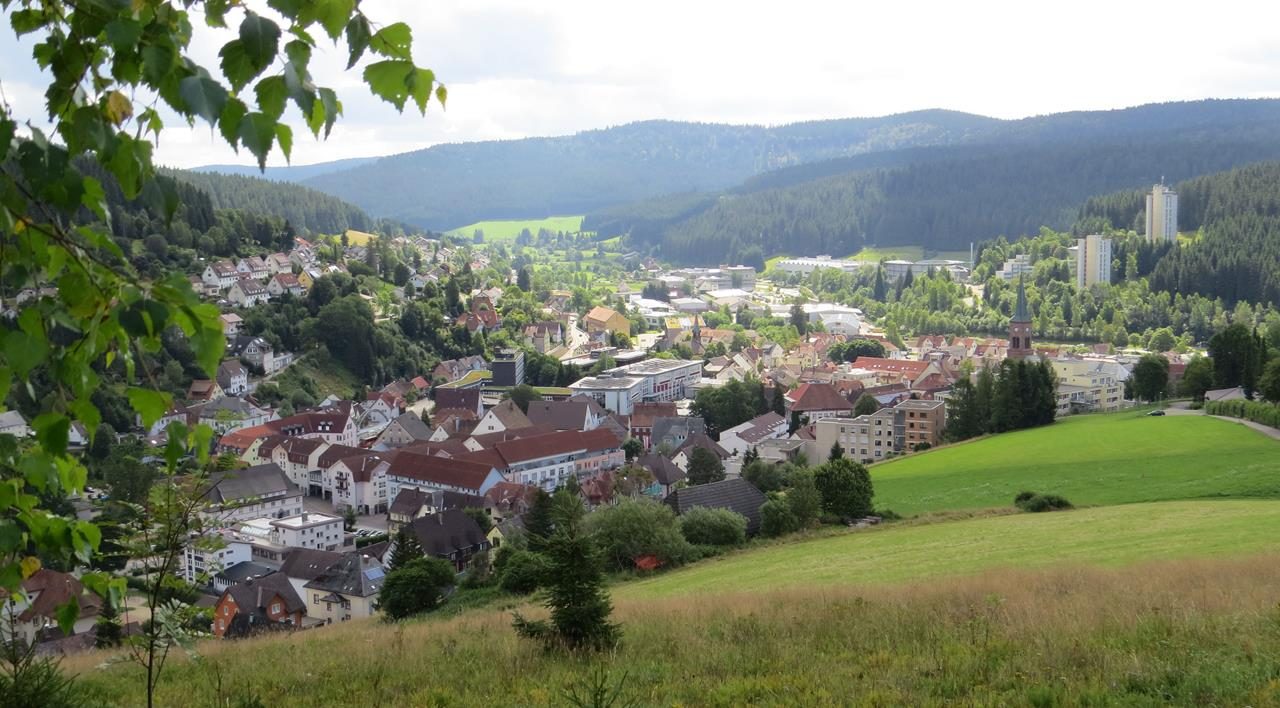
{"x":1020,"y":327}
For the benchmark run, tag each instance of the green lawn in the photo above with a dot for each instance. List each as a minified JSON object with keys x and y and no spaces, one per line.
{"x":1091,"y":460}
{"x":1114,"y":535}
{"x":495,"y":231}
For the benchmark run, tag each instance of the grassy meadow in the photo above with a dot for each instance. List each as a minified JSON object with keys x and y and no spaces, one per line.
{"x":507,"y":230}
{"x":1118,"y":458}
{"x":1184,"y":632}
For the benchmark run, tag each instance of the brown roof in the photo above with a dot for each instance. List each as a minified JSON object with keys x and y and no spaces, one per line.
{"x":570,"y":414}
{"x":897,"y":366}
{"x":701,"y":440}
{"x":818,"y":397}
{"x":558,"y":443}
{"x":446,"y":471}
{"x":307,"y":563}
{"x":56,"y":589}
{"x":645,"y":412}
{"x":464,"y":398}
{"x":334,"y":453}
{"x":510,"y":415}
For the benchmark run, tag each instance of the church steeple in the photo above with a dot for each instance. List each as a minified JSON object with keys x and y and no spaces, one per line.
{"x":1020,"y":311}
{"x":1020,"y":326}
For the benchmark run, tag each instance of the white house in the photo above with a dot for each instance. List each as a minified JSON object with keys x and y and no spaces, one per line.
{"x":219,"y":275}
{"x":247,"y":292}
{"x":741,"y":438}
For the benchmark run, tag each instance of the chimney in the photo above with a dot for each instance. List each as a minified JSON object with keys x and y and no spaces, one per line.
{"x":304,"y":517}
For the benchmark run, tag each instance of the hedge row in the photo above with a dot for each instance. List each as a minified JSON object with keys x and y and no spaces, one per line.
{"x":1257,"y":411}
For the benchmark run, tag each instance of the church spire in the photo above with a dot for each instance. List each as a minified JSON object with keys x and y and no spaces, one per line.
{"x":1020,"y":312}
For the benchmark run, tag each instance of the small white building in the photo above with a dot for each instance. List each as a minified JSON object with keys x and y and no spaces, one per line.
{"x":248,"y":293}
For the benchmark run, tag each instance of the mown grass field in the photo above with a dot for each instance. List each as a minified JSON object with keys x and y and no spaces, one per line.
{"x":507,"y":230}
{"x":1184,"y":632}
{"x":907,"y":253}
{"x":1114,"y":535}
{"x":1091,"y":460}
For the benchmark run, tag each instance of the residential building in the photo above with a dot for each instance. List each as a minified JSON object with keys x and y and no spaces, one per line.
{"x":229,"y":413}
{"x":603,"y":319}
{"x":199,"y":562}
{"x":502,"y":417}
{"x":468,"y":399}
{"x":575,"y":413}
{"x":255,"y":350}
{"x":684,"y":453}
{"x":345,"y":590}
{"x":316,"y":531}
{"x":233,"y":377}
{"x":923,"y":423}
{"x":334,"y":425}
{"x":1016,"y":267}
{"x":405,"y":429}
{"x":508,"y":368}
{"x":737,"y":495}
{"x":360,"y":483}
{"x":253,"y":267}
{"x":1087,"y":386}
{"x":666,"y":475}
{"x":12,"y":423}
{"x":44,"y":593}
{"x":412,"y":504}
{"x":411,"y":470}
{"x":282,"y":283}
{"x":1162,"y":215}
{"x":643,"y":416}
{"x":231,"y":323}
{"x":741,"y":438}
{"x":544,"y":336}
{"x":204,"y":390}
{"x":302,"y":565}
{"x":220,"y":275}
{"x":1093,"y":260}
{"x":247,"y":292}
{"x":670,"y":432}
{"x":257,"y":605}
{"x":741,"y":276}
{"x":254,"y":492}
{"x":815,"y":401}
{"x":552,"y":459}
{"x":451,"y":535}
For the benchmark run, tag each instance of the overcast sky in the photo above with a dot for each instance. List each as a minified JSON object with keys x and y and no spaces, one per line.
{"x":517,"y":69}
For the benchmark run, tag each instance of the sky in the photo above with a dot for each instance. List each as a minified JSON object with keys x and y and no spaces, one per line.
{"x":517,"y":69}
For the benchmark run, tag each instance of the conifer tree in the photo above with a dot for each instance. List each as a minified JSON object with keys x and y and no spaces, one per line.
{"x":407,"y":548}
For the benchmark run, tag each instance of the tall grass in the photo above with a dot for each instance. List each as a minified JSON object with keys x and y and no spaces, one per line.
{"x":1182,"y":632}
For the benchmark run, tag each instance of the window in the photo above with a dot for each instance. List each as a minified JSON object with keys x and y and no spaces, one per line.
{"x":275,"y":608}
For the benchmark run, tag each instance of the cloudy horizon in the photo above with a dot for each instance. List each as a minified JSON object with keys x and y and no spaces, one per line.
{"x":515,"y":71}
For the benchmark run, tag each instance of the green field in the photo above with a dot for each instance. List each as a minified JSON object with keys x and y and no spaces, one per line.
{"x":495,"y":231}
{"x":905,"y":253}
{"x":1091,"y":460}
{"x":1104,"y":535}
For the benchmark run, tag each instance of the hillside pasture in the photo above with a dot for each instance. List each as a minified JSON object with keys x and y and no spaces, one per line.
{"x":1117,"y":458}
{"x":896,"y":553}
{"x":507,"y":230}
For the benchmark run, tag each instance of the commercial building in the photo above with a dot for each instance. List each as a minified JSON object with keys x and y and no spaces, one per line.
{"x":1016,"y":266}
{"x":508,"y":369}
{"x":1093,"y":260}
{"x":1162,"y":215}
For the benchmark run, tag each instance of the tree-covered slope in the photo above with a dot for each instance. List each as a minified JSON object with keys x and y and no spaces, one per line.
{"x":1028,"y":174}
{"x":1237,"y":254}
{"x":449,"y":185}
{"x":306,"y":209}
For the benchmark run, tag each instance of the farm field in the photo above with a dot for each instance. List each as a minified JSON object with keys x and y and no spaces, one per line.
{"x":1117,"y":458}
{"x":1168,"y":630}
{"x":507,"y":230}
{"x":1114,"y":535}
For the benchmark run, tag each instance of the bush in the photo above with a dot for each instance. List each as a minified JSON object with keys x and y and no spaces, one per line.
{"x":888,"y":515}
{"x":777,"y":519}
{"x":522,"y":572}
{"x":417,"y":586}
{"x":636,"y":528}
{"x":845,"y":486}
{"x":766,"y":476}
{"x":804,"y":499}
{"x":1032,"y":502}
{"x":713,"y":527}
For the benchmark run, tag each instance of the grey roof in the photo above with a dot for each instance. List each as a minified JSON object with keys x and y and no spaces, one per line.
{"x":231,"y":404}
{"x":409,"y":501}
{"x":701,"y":440}
{"x":308,"y":563}
{"x":447,"y":532}
{"x":676,"y":427}
{"x":1020,"y":313}
{"x":733,"y":494}
{"x":760,"y":426}
{"x":558,"y":415}
{"x":253,"y":482}
{"x":252,"y":597}
{"x":357,"y":574}
{"x":413,"y":426}
{"x":242,"y":571}
{"x":12,"y":419}
{"x":664,"y":470}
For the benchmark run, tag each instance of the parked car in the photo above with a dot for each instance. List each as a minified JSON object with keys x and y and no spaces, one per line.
{"x":1156,"y":413}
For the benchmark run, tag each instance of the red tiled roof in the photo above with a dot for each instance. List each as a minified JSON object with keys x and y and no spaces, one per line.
{"x":897,"y":366}
{"x":445,"y":471}
{"x":818,"y":397}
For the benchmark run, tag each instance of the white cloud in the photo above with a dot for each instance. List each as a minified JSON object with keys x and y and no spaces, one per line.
{"x":516,"y":69}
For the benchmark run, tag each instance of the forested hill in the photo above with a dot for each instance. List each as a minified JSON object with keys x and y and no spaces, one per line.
{"x":306,"y":210}
{"x":449,"y":185}
{"x":1237,"y":255}
{"x":944,"y":197}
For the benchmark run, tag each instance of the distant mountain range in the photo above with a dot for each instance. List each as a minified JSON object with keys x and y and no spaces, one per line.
{"x":704,"y":192}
